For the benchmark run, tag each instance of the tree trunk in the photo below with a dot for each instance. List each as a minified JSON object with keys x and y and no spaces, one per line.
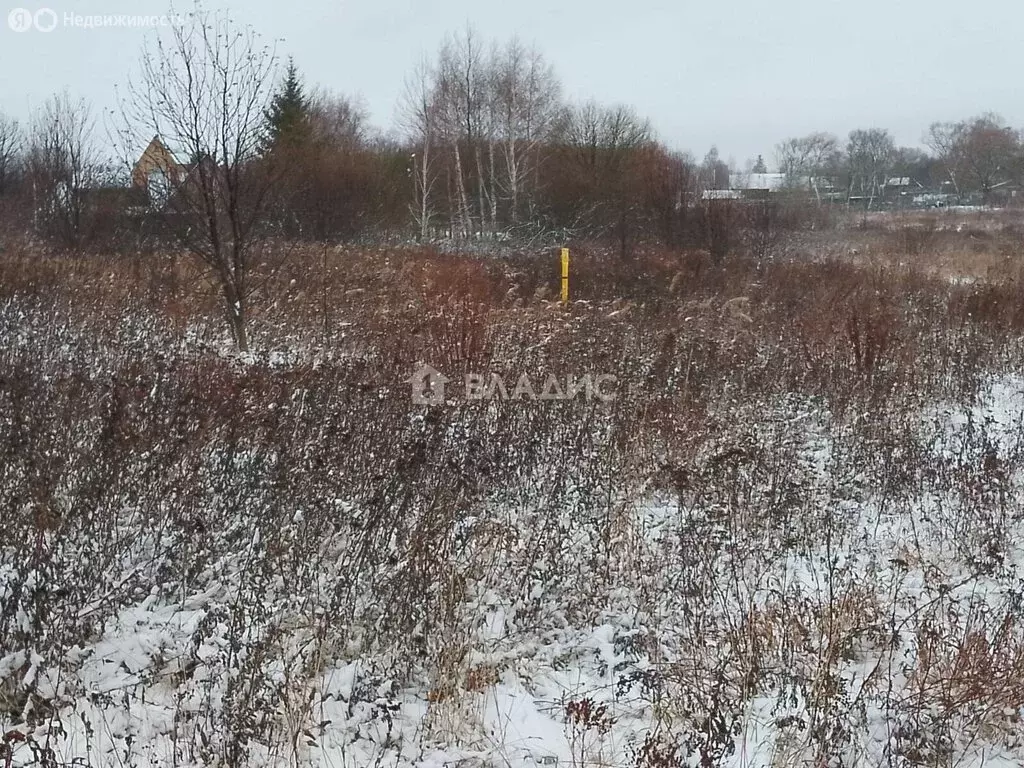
{"x":481,"y":189}
{"x":460,"y":184}
{"x":425,"y":192}
{"x":235,"y":308}
{"x":494,"y":187}
{"x":512,"y":165}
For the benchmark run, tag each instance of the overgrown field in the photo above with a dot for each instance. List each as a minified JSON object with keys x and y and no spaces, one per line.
{"x":792,"y":538}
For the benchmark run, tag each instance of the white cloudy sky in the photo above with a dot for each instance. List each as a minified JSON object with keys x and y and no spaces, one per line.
{"x":741,"y":74}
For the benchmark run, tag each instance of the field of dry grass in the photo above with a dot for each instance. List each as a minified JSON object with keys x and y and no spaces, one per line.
{"x":792,"y":537}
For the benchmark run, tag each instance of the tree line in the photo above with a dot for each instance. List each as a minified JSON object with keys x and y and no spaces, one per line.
{"x":976,"y":155}
{"x":486,"y":148}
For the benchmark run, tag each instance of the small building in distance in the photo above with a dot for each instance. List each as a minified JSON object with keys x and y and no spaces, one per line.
{"x":757,"y":185}
{"x":900,"y":191}
{"x":749,"y":186}
{"x":157,"y":173}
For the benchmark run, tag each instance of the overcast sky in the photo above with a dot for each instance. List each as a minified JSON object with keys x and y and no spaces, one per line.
{"x":741,"y":74}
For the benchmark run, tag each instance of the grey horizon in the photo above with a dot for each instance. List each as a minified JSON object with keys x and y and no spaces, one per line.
{"x":741,"y":76}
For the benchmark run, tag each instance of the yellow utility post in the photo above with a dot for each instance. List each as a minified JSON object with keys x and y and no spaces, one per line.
{"x":565,"y":275}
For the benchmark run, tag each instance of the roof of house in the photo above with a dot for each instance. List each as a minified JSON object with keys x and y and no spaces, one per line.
{"x":768,"y":181}
{"x":156,"y":156}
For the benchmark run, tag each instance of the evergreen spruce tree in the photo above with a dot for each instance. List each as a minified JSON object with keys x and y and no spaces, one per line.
{"x":759,"y":166}
{"x":288,"y":115}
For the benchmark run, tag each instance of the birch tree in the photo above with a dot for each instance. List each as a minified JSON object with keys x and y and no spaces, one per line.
{"x":803,"y":160}
{"x":420,"y":116}
{"x":525,"y":98}
{"x":870,"y":153}
{"x":944,"y":139}
{"x":460,"y":95}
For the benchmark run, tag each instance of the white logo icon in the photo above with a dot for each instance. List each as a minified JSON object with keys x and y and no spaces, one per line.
{"x":46,"y":20}
{"x":20,"y":20}
{"x":427,"y":386}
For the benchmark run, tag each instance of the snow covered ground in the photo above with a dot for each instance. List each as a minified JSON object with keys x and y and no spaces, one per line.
{"x":806,"y":603}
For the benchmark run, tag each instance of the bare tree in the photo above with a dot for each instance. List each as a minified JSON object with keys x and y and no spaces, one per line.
{"x":805,"y":159}
{"x":62,"y":166}
{"x":337,"y":121}
{"x":988,"y":150}
{"x":714,"y":171}
{"x":11,"y":140}
{"x":977,"y":153}
{"x":420,"y":117}
{"x":603,"y":137}
{"x":607,"y":144}
{"x":204,"y":88}
{"x":870,"y":153}
{"x":479,"y":117}
{"x":526,"y":95}
{"x":913,"y":162}
{"x":461,"y":88}
{"x":944,"y":139}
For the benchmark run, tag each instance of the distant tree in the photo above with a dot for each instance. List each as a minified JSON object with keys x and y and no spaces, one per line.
{"x":759,"y":166}
{"x":977,"y":153}
{"x":420,"y":119}
{"x":988,"y":151}
{"x":62,"y":166}
{"x":668,"y":188}
{"x":914,"y":163}
{"x":288,"y":116}
{"x":525,"y":97}
{"x":714,"y":172}
{"x":944,"y":139}
{"x":330,"y":183}
{"x":11,"y":140}
{"x":461,"y":85}
{"x":478,"y":119}
{"x":336,"y":121}
{"x":870,"y":153}
{"x":605,"y":149}
{"x":602,"y":137}
{"x":805,"y":159}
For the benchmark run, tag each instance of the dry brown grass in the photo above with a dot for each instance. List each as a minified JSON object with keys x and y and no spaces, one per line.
{"x":132,"y":357}
{"x":950,"y":245}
